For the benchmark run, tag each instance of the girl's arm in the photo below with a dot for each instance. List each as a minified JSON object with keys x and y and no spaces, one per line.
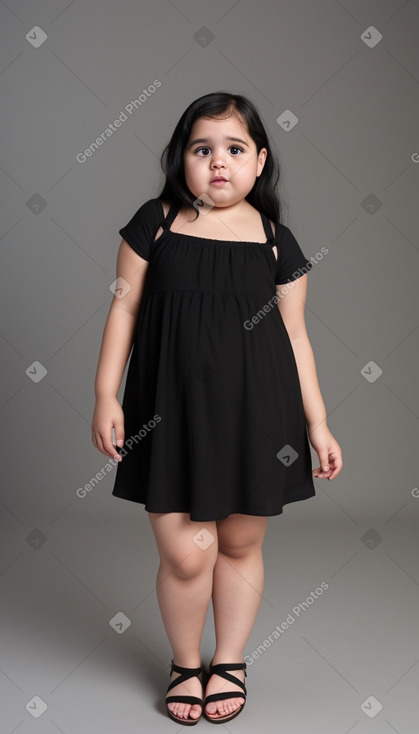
{"x":115,"y":348}
{"x":291,"y":304}
{"x":116,"y":345}
{"x":314,"y":408}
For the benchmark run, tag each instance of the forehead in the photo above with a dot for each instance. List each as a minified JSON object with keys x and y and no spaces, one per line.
{"x":220,"y":126}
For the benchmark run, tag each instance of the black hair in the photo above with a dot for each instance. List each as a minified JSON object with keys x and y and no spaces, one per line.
{"x":263,"y":196}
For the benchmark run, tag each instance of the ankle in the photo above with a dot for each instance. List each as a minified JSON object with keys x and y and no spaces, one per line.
{"x":227,"y":657}
{"x":187,"y":661}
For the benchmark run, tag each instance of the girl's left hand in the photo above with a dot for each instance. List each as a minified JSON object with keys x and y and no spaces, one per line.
{"x":328,"y":451}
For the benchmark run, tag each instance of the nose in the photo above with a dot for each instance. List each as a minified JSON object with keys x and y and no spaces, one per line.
{"x":218,"y":159}
{"x":218,"y":167}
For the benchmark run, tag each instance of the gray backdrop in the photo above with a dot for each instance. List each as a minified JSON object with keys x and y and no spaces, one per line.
{"x":83,"y":646}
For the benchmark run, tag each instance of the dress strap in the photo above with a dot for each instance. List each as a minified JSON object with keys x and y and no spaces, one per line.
{"x":167,"y":221}
{"x":268,"y":228}
{"x":171,"y":215}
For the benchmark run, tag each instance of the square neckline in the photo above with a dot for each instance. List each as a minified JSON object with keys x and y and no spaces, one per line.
{"x":171,"y":215}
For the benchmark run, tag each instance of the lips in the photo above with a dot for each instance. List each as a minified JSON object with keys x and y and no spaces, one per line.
{"x":219,"y":178}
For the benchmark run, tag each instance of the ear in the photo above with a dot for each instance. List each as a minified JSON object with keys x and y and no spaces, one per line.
{"x":261,"y":160}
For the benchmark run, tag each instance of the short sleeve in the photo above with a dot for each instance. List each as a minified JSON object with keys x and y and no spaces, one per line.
{"x":291,"y":263}
{"x":142,"y":227}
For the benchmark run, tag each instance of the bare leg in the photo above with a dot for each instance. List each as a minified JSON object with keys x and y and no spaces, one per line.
{"x":237,"y":592}
{"x":184,"y":587}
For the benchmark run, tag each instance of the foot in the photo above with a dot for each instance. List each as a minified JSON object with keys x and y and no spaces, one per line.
{"x":191,"y":687}
{"x":217,"y":684}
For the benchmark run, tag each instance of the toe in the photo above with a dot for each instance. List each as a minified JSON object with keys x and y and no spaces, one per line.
{"x":185,"y":711}
{"x":195,"y":711}
{"x":218,"y":709}
{"x":178,"y":709}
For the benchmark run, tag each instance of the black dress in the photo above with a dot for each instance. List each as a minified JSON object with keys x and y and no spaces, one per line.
{"x":214,"y":418}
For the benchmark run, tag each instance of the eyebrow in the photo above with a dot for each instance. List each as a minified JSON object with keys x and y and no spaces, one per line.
{"x":209,"y":140}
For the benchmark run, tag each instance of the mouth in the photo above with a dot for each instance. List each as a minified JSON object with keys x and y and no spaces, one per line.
{"x":219,"y":180}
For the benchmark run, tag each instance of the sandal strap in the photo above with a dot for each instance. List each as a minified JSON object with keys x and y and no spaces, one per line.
{"x":221,"y":670}
{"x":223,"y":696}
{"x":227,"y":666}
{"x":185,"y":674}
{"x":184,"y":699}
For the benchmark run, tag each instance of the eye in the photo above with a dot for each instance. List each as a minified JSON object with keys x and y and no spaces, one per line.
{"x":234,"y":147}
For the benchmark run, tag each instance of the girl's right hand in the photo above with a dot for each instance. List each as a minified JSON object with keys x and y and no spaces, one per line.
{"x":108,"y":414}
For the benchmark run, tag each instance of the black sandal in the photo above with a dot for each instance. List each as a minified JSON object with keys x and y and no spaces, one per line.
{"x":221,"y":669}
{"x":186,"y":673}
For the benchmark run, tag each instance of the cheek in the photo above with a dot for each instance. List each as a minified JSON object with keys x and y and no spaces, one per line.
{"x":193,"y":169}
{"x":247,"y":168}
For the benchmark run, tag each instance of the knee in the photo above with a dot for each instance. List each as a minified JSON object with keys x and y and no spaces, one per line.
{"x":239,"y":548}
{"x":190,"y":564}
{"x":241,"y":536}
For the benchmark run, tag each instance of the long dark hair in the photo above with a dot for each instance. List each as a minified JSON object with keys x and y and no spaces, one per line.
{"x":263,"y":196}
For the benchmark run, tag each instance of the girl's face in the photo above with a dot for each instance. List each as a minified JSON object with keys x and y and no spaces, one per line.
{"x":221,"y":147}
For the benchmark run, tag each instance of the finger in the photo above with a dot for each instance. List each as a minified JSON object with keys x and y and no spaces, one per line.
{"x":109,"y":447}
{"x":323,"y":455}
{"x":318,"y":472}
{"x":337,"y":466}
{"x":324,"y":462}
{"x":105,"y":446}
{"x":119,"y":433}
{"x":99,"y":443}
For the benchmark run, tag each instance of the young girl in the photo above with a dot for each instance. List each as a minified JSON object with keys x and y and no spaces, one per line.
{"x":221,"y":394}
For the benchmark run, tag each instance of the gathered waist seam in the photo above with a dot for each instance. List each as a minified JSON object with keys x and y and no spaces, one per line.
{"x":214,"y":293}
